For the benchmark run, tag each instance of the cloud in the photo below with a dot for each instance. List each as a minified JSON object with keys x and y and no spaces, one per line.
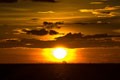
{"x":108,"y":11}
{"x":28,"y":43}
{"x":40,"y":32}
{"x":16,"y":9}
{"x":45,"y":0}
{"x":77,"y":40}
{"x":97,"y":12}
{"x":51,"y":25}
{"x":80,"y":36}
{"x":10,"y":40}
{"x":20,"y":31}
{"x":96,"y":2}
{"x":86,"y":10}
{"x":104,"y":0}
{"x":70,"y":36}
{"x":7,"y":1}
{"x":115,"y":13}
{"x":12,"y":1}
{"x":52,"y":32}
{"x":45,"y":29}
{"x":117,"y":31}
{"x":70,"y":40}
{"x":49,"y":12}
{"x":112,"y":8}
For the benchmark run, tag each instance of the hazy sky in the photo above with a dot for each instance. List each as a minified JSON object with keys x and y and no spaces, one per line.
{"x":62,"y":9}
{"x":28,"y":27}
{"x":23,"y":20}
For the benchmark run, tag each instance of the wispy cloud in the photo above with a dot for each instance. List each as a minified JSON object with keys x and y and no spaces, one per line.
{"x":13,"y":1}
{"x":96,"y":2}
{"x":117,"y":30}
{"x":45,"y":12}
{"x":112,"y":8}
{"x":108,"y":11}
{"x":19,"y":31}
{"x":15,"y":9}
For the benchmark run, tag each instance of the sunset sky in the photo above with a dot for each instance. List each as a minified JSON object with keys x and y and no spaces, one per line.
{"x":50,"y":23}
{"x":22,"y":21}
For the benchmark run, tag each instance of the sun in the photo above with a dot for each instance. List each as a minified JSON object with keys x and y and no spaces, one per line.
{"x":59,"y":53}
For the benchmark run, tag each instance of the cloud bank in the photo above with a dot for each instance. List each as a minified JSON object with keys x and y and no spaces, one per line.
{"x":75,"y":40}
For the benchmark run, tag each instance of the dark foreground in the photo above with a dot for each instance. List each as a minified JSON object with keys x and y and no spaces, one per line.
{"x":59,"y":71}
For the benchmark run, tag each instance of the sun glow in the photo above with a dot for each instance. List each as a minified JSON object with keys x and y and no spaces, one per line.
{"x":59,"y":53}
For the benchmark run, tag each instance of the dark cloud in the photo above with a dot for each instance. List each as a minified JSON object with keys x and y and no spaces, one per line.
{"x":113,"y":2}
{"x":80,"y":36}
{"x":8,"y":1}
{"x":30,"y":43}
{"x":52,"y":32}
{"x":98,"y":40}
{"x":11,"y":1}
{"x":70,"y":36}
{"x":45,"y":0}
{"x":75,"y":40}
{"x":40,"y":32}
{"x":50,"y":25}
{"x":78,"y":40}
{"x":36,"y":32}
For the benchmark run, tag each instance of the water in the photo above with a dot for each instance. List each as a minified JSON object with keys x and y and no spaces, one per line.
{"x":59,"y":72}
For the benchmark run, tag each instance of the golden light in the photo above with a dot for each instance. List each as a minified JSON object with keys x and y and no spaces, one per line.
{"x":59,"y":53}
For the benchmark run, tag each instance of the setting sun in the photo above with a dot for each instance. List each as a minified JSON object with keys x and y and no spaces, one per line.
{"x":59,"y":53}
